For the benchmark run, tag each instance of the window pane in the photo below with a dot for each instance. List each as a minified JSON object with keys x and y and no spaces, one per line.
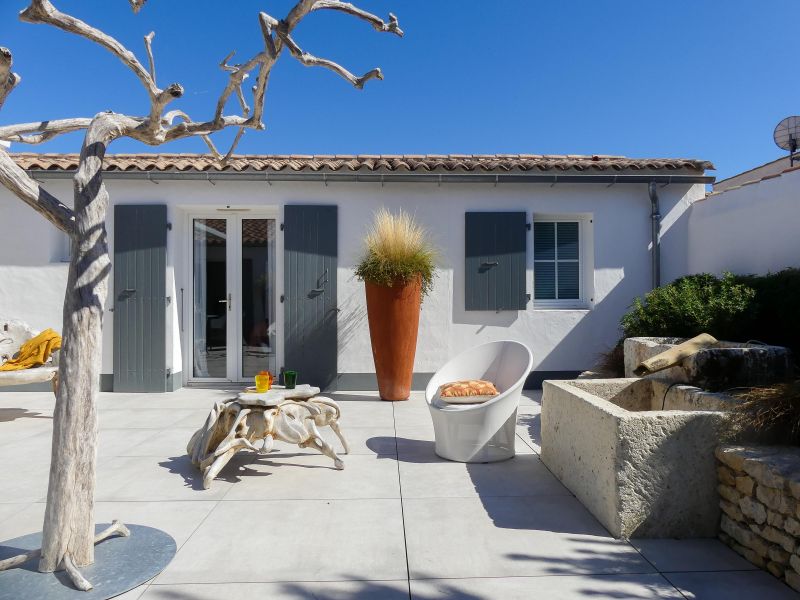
{"x":544,"y":280}
{"x":544,"y":241}
{"x":258,"y":294}
{"x":568,"y":280}
{"x":567,"y":241}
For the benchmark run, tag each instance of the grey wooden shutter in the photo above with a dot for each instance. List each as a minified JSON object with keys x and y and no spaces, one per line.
{"x":139,"y":300}
{"x":310,"y":296}
{"x":495,"y":261}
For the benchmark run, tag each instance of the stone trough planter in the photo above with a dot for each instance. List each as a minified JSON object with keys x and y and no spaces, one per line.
{"x":643,"y":471}
{"x":725,"y":366}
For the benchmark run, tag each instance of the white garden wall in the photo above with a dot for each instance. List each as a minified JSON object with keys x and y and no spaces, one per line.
{"x":32,"y":277}
{"x":754,"y":228}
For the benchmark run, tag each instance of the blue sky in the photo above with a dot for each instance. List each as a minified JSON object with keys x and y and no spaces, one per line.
{"x":686,"y":78}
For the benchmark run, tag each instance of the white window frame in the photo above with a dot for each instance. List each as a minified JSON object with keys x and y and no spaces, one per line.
{"x":585,"y":262}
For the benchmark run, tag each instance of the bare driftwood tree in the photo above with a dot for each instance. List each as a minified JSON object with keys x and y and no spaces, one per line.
{"x":68,"y":532}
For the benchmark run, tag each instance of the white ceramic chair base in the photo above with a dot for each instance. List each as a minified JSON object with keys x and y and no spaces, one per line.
{"x":470,"y":440}
{"x":480,"y":432}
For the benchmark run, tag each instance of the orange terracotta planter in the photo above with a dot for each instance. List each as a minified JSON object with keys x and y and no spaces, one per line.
{"x":393,"y":314}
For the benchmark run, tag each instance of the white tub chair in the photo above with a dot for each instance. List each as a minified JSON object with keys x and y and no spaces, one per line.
{"x":480,"y":432}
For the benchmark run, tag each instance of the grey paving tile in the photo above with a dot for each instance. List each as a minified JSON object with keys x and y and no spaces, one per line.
{"x":163,"y":443}
{"x":7,"y":511}
{"x":691,"y":555}
{"x":149,"y":418}
{"x":332,"y":590}
{"x":148,"y":478}
{"x":731,"y":585}
{"x":33,"y":447}
{"x":35,"y":401}
{"x":577,"y":587}
{"x":300,"y":540}
{"x":24,"y":481}
{"x":133,"y":594}
{"x":118,"y":442}
{"x":179,"y":519}
{"x":27,"y":520}
{"x":186,"y":398}
{"x":511,"y":536}
{"x":523,"y":475}
{"x":291,"y":476}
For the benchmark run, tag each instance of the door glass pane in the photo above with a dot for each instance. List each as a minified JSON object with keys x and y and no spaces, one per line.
{"x":210,"y":298}
{"x":258,"y":296}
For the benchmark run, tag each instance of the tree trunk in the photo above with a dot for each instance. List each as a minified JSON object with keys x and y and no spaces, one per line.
{"x":69,"y":517}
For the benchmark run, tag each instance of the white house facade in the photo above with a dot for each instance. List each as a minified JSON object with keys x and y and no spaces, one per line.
{"x":220,"y":272}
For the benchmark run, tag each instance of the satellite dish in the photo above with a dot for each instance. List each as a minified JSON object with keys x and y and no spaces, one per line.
{"x":787,"y":135}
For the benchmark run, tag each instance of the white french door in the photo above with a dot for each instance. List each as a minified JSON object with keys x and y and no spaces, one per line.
{"x":233,"y":332}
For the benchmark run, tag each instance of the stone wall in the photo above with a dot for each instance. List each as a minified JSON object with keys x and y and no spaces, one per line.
{"x":759,"y":488}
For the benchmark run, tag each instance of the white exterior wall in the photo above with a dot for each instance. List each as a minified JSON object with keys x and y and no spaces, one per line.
{"x":32,"y":279}
{"x":750,"y":229}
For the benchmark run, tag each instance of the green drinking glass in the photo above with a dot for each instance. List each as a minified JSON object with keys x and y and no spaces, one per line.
{"x":289,"y":379}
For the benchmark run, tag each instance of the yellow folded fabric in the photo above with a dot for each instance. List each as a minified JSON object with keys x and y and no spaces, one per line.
{"x":35,"y":352}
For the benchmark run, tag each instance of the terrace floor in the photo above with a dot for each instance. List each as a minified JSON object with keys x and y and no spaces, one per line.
{"x":397,"y":522}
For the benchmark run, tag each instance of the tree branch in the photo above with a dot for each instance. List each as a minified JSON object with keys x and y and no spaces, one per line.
{"x":18,"y":182}
{"x":148,"y":44}
{"x":8,"y":79}
{"x":137,"y":5}
{"x":43,"y":11}
{"x":379,"y":24}
{"x":37,"y":133}
{"x":310,"y":60}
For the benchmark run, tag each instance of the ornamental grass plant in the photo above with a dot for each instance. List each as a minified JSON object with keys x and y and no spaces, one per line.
{"x":771,"y":412}
{"x":397,"y":249}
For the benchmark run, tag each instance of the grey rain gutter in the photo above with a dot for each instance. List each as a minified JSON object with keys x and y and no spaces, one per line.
{"x":655,"y":232}
{"x":332,"y":177}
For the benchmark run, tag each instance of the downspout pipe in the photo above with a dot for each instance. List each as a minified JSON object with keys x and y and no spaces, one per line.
{"x":655,"y":233}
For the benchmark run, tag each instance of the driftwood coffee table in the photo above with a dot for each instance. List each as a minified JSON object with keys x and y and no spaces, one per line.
{"x":291,"y":416}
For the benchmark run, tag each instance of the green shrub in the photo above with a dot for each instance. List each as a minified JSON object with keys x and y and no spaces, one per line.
{"x":692,"y":305}
{"x":776,"y":318}
{"x":397,"y":249}
{"x":738,"y":308}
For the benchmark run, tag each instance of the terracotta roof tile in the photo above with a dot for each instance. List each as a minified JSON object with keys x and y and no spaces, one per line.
{"x":465,"y":163}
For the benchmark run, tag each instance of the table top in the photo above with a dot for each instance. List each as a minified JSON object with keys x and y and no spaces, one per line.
{"x":276,"y":395}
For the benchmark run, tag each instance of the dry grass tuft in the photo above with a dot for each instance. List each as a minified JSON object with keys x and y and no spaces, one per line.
{"x":611,"y":363}
{"x":396,"y":237}
{"x":397,"y":249}
{"x":771,"y":412}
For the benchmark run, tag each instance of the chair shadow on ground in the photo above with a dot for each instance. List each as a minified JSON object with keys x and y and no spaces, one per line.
{"x":509,"y":504}
{"x":12,"y":414}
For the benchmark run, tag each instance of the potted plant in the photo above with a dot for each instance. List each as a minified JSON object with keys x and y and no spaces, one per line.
{"x":397,"y":268}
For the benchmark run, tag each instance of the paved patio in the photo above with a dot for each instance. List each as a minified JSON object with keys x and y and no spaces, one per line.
{"x":398,"y":522}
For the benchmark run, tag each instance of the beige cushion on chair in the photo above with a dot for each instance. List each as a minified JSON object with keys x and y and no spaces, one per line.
{"x":471,"y":391}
